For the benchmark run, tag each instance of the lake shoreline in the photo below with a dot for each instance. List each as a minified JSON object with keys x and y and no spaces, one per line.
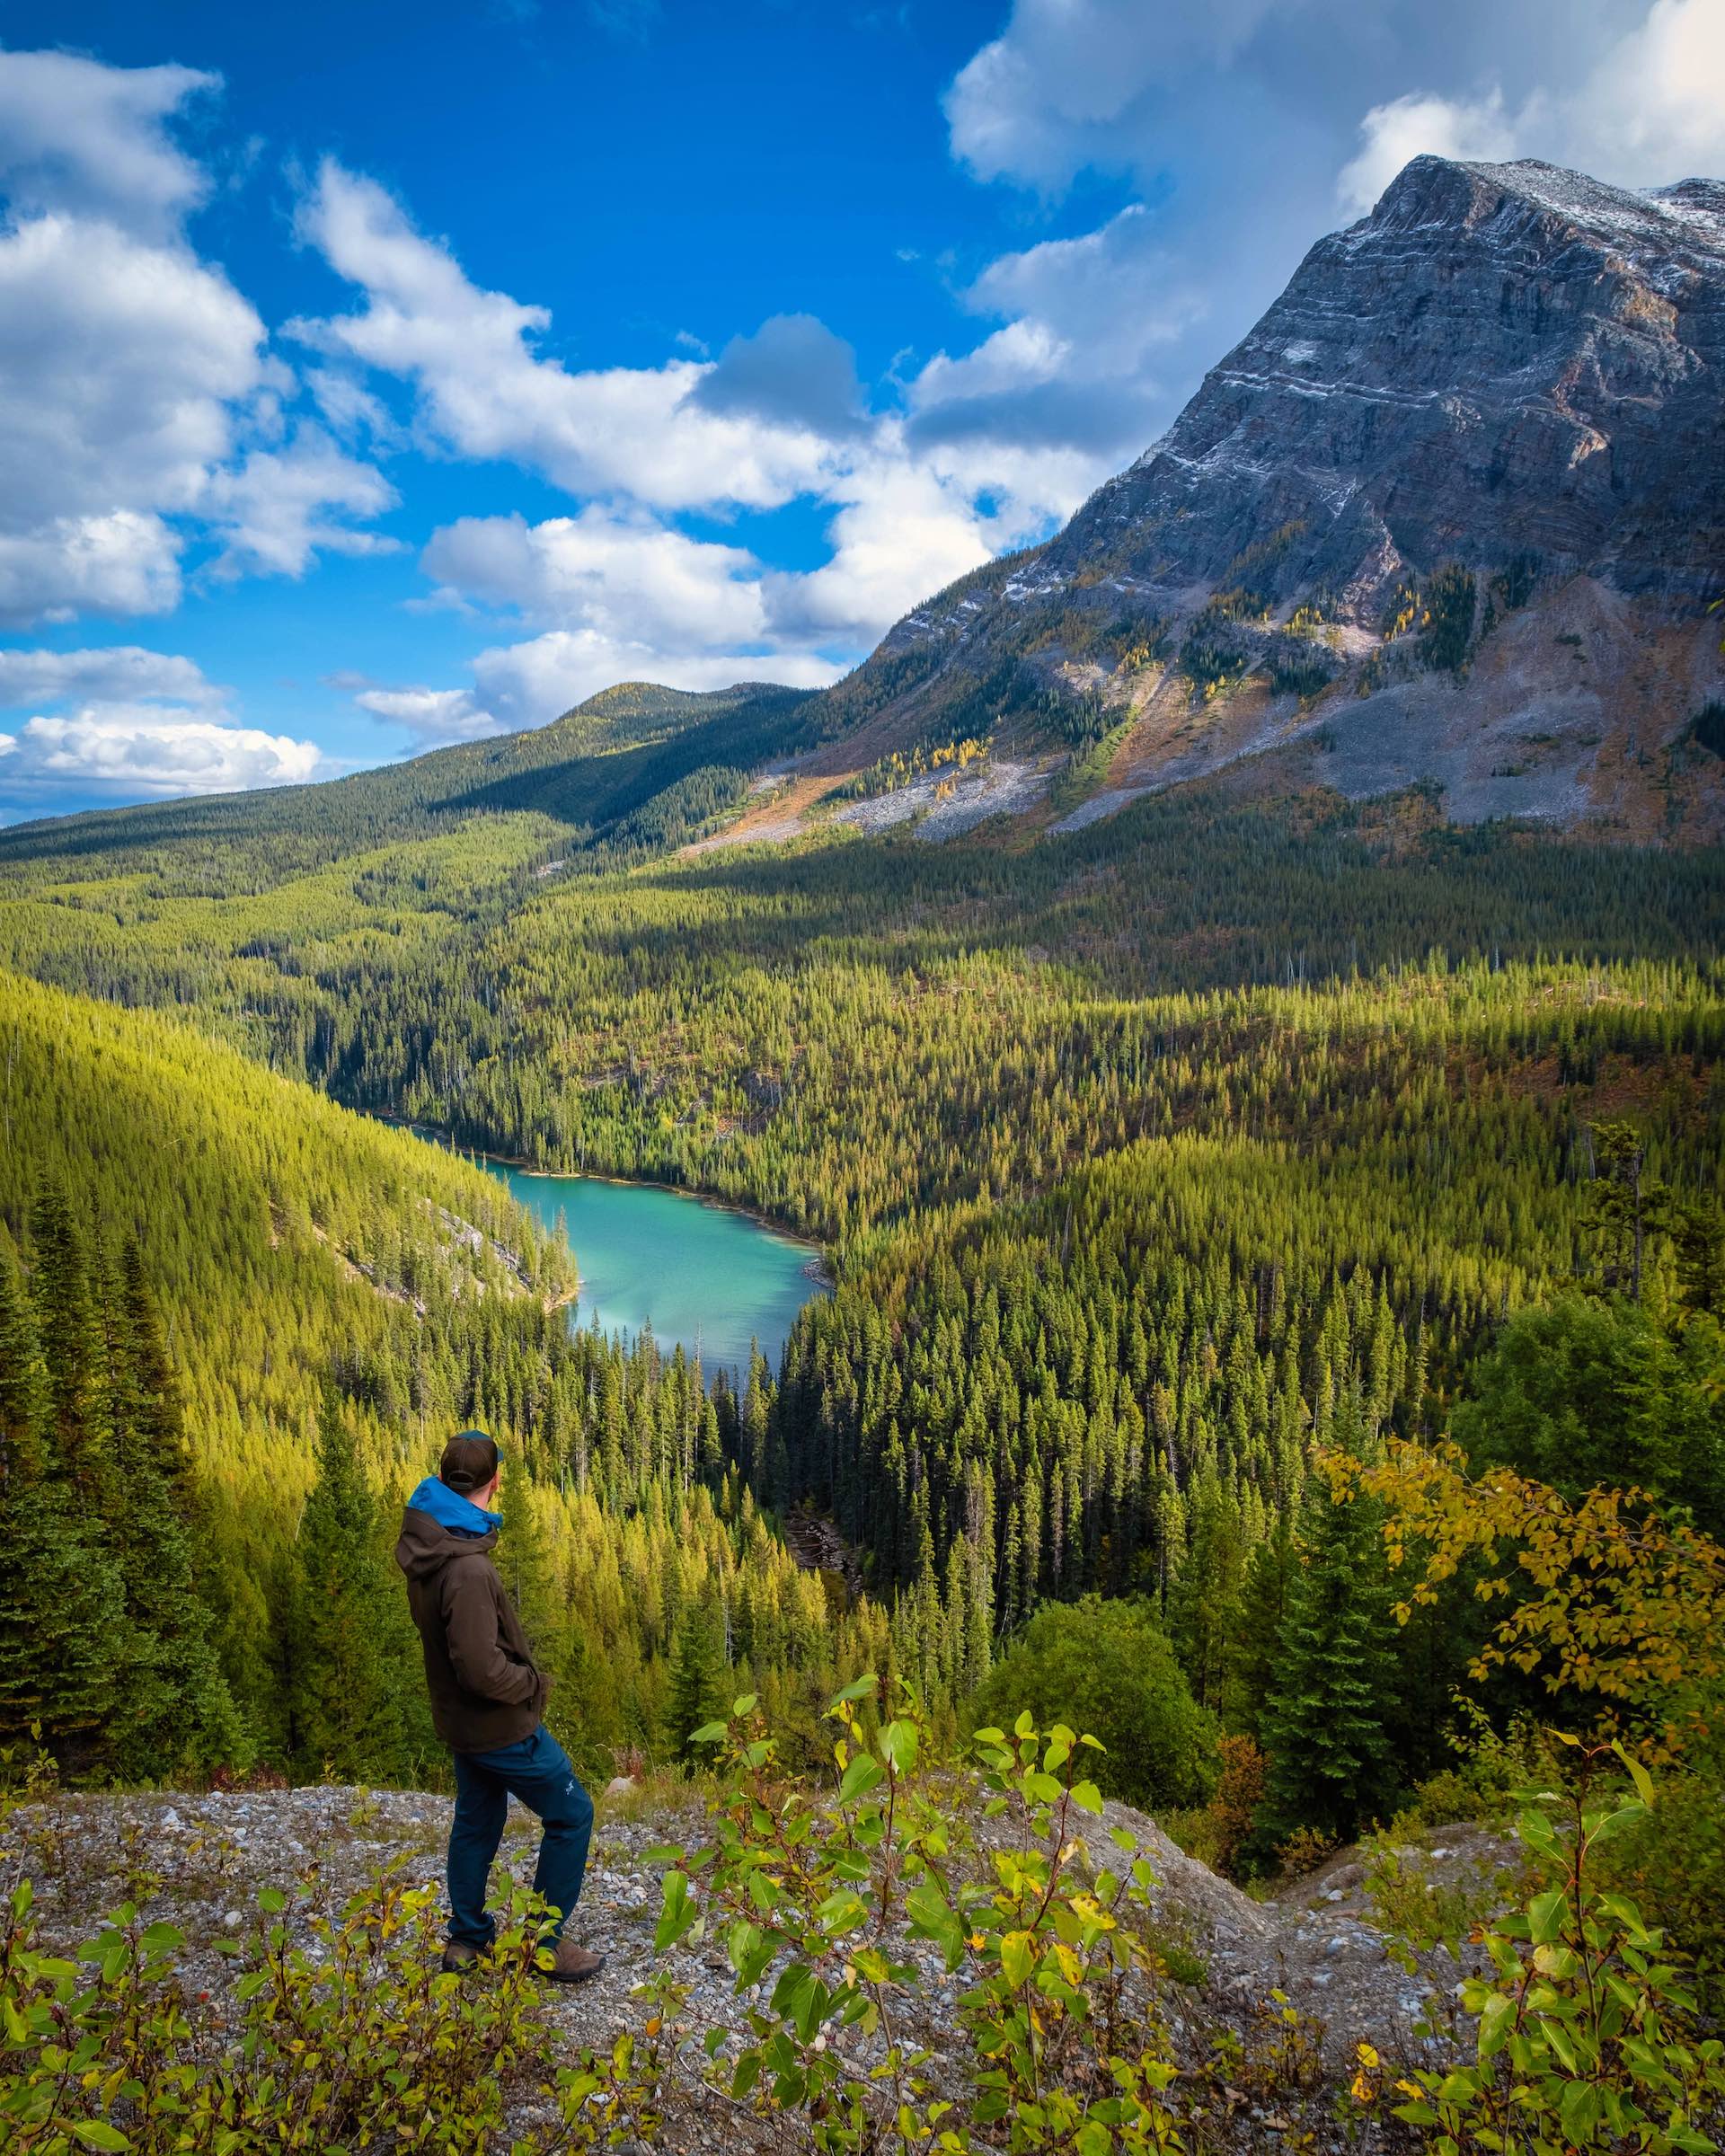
{"x":818,"y":1269}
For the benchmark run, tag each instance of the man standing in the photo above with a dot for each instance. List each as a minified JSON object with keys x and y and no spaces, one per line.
{"x":487,"y":1699}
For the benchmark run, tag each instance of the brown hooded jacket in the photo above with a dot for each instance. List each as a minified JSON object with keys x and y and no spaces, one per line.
{"x":486,"y":1691}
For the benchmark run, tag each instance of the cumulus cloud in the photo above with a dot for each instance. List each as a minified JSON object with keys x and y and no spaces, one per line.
{"x":485,"y":391}
{"x":1652,"y":107}
{"x":625,"y":575}
{"x":138,"y":401}
{"x":77,"y":135}
{"x":433,"y":716}
{"x":147,"y":749}
{"x":1419,"y":125}
{"x":278,"y":507}
{"x":793,"y":371}
{"x":113,"y":673}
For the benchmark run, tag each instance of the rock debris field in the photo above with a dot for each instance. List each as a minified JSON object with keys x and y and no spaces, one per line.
{"x":1315,"y":1943}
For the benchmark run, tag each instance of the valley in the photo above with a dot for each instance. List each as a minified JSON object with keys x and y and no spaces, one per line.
{"x":1152,"y":1158}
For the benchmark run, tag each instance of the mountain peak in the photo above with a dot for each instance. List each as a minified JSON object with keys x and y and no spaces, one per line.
{"x":1479,"y":432}
{"x":1430,"y":191}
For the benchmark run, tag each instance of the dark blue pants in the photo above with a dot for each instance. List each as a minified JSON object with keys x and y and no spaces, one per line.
{"x":537,"y":1773}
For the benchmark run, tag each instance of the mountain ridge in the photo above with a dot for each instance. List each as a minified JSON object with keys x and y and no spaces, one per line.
{"x":1449,"y":512}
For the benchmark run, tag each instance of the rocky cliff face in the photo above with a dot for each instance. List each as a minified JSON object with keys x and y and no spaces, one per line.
{"x":1454,"y":510}
{"x":1500,"y":361}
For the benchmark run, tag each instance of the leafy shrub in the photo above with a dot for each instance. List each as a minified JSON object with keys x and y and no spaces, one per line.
{"x":1582,"y":1393}
{"x":1588,"y":2038}
{"x":1058,"y":1963}
{"x":1108,"y":1666}
{"x":1217,"y":1834}
{"x":347,"y":2037}
{"x":1673,"y":1863}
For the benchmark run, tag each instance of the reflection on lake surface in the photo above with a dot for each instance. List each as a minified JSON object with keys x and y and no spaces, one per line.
{"x":698,"y":1273}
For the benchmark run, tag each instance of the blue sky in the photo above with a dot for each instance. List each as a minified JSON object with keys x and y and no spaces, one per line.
{"x":373,"y":378}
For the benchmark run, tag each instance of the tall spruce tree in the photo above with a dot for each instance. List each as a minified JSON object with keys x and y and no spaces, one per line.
{"x":177,"y":1714}
{"x":63,"y":1631}
{"x":696,"y":1694}
{"x":345,"y":1679}
{"x":1326,"y":1725}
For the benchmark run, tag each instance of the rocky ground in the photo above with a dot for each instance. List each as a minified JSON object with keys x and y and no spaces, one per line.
{"x":199,"y":1862}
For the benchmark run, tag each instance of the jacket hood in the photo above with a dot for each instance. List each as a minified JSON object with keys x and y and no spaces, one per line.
{"x":449,"y":1508}
{"x":439,"y":1524}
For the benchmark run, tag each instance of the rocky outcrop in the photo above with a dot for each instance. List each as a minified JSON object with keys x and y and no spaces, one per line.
{"x":1452,"y":511}
{"x":1502,"y":361}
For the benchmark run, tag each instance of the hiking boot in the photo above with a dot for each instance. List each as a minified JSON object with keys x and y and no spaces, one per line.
{"x":570,"y":1964}
{"x":458,"y":1958}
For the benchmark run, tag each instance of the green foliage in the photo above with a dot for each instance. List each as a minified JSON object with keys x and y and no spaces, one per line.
{"x":1110,"y":1665}
{"x":347,"y":2037}
{"x":1586,"y":2033}
{"x":1047,"y":1951}
{"x":1327,"y":1723}
{"x":696,"y":1689}
{"x":1581,"y":1393}
{"x":347,"y":1690}
{"x":1446,"y":630}
{"x":105,"y":1638}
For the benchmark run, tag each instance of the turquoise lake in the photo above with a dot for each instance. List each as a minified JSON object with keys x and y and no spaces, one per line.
{"x":697,"y":1273}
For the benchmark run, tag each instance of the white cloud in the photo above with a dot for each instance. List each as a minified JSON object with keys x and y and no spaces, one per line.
{"x":279,"y":506}
{"x":484,"y":391}
{"x":434,"y":717}
{"x":1651,"y":107}
{"x":1419,"y":126}
{"x":625,"y":576}
{"x":1654,"y":108}
{"x":75,"y":135}
{"x":903,"y":532}
{"x":65,"y":566}
{"x":1059,"y":89}
{"x":137,"y":398}
{"x":112,"y":672}
{"x":148,"y":748}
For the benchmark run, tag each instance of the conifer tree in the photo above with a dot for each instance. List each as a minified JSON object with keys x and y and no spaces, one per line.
{"x":696,"y":1694}
{"x":345,"y":1684}
{"x":62,"y":1610}
{"x":177,"y":1713}
{"x":1326,"y":1725}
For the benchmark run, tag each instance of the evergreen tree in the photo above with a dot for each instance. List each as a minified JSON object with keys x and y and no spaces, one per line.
{"x":697,"y":1690}
{"x":345,"y":1685}
{"x":1332,"y":1763}
{"x":177,"y":1713}
{"x":62,"y":1608}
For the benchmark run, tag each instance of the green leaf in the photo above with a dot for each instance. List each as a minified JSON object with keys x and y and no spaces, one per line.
{"x":1017,"y":1957}
{"x":1638,"y":1773}
{"x":1545,"y":1916}
{"x":709,"y":1733}
{"x":861,"y":1776}
{"x":745,"y":1705}
{"x":898,"y":1745}
{"x":865,"y":1688}
{"x":97,"y":2133}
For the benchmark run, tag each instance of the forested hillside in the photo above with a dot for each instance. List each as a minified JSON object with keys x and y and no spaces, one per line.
{"x":298,"y":1305}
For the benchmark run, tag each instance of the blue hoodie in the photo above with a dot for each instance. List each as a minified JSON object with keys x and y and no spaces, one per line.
{"x":450,"y":1509}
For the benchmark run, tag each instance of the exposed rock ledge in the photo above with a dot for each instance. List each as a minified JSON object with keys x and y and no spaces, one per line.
{"x":1315,"y":1943}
